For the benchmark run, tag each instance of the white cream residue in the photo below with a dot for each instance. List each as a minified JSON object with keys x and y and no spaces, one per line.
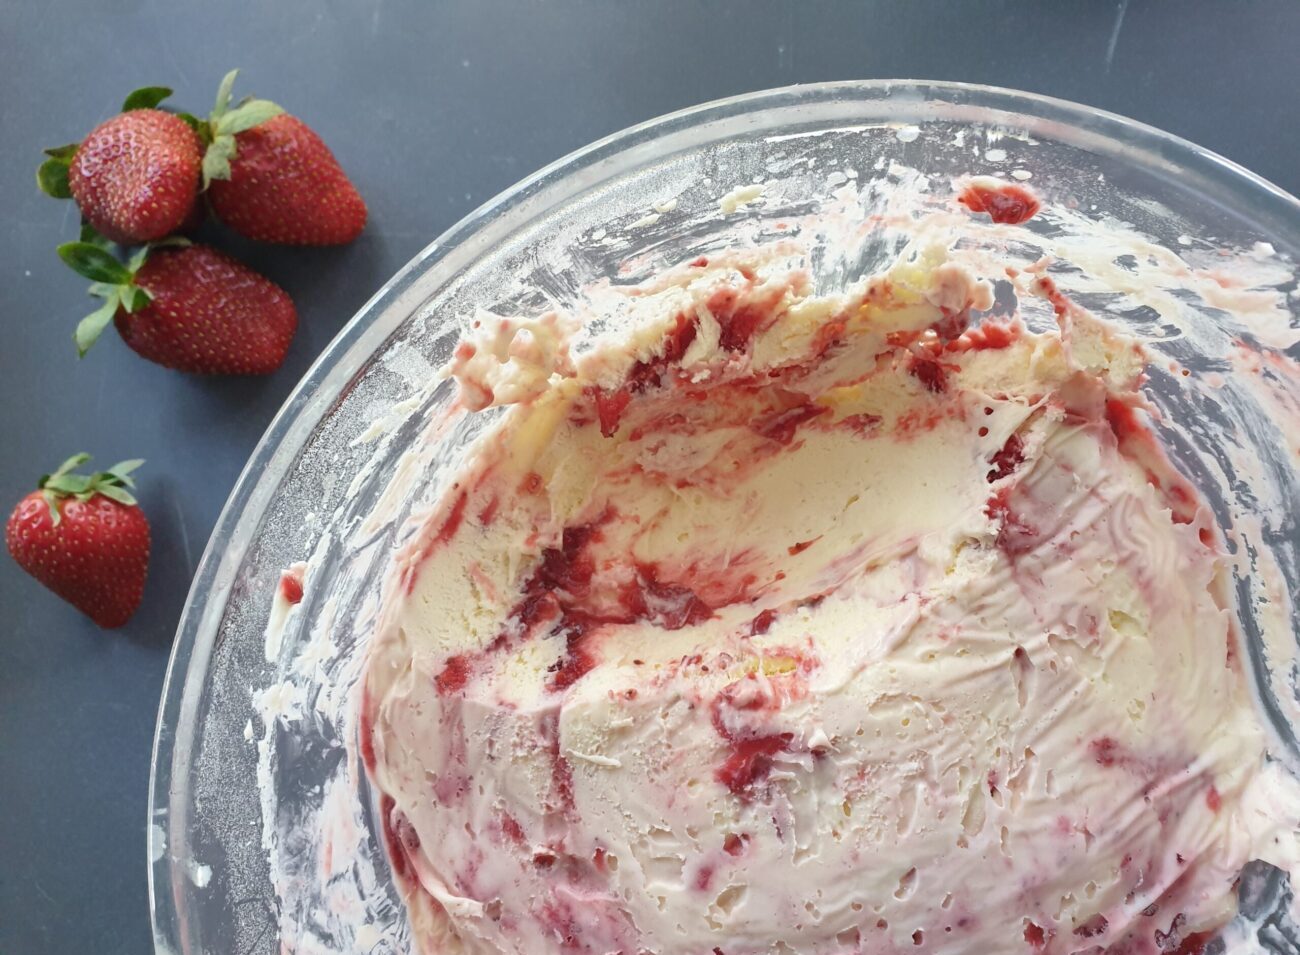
{"x":739,"y":197}
{"x":200,"y":875}
{"x":157,"y":842}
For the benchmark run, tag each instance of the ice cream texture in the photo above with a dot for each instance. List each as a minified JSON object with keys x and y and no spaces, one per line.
{"x":786,"y":622}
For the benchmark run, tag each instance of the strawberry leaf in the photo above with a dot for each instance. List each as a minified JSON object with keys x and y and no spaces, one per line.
{"x":200,"y":126}
{"x":255,"y":112}
{"x":92,"y":326}
{"x":69,"y":483}
{"x":122,"y":471}
{"x":52,"y":178}
{"x":88,"y":234}
{"x":133,"y":298}
{"x":137,"y":259}
{"x":74,"y":462}
{"x":52,"y":502}
{"x":52,"y":174}
{"x":147,"y":97}
{"x":216,"y":161}
{"x":223,"y":95}
{"x":90,"y":261}
{"x":116,"y":493}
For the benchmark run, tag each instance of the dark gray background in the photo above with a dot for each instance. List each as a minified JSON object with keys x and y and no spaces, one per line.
{"x":432,"y":107}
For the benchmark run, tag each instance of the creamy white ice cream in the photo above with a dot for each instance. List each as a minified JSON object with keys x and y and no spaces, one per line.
{"x":789,"y":623}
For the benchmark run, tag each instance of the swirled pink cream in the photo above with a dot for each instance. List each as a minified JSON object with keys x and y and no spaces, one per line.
{"x":779,"y":623}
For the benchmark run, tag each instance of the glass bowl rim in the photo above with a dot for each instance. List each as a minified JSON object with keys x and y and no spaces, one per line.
{"x":881,"y":102}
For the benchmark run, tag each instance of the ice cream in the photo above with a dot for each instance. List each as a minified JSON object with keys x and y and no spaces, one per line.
{"x":784,"y":622}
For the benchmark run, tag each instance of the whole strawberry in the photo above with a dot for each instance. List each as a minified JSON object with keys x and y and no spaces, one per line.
{"x":187,"y":307}
{"x":274,"y":180}
{"x":136,"y":176}
{"x":85,"y":538}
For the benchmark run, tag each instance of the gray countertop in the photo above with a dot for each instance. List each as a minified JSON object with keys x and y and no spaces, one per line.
{"x":432,"y":107}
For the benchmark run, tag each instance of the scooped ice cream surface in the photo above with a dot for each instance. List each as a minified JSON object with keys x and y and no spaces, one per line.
{"x":786,"y":623}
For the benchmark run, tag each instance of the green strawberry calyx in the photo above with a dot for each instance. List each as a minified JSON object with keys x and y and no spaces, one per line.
{"x":219,"y":130}
{"x":115,"y":483}
{"x":111,"y":280}
{"x":52,"y":174}
{"x":146,"y":97}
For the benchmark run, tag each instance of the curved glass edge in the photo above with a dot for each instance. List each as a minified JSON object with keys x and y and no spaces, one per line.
{"x":326,"y":381}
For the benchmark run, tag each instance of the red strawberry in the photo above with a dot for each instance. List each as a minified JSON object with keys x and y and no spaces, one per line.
{"x":271,"y":178}
{"x":187,"y":307}
{"x":136,"y":176}
{"x":85,"y":538}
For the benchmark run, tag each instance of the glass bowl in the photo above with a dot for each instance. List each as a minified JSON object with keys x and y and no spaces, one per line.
{"x":262,"y":837}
